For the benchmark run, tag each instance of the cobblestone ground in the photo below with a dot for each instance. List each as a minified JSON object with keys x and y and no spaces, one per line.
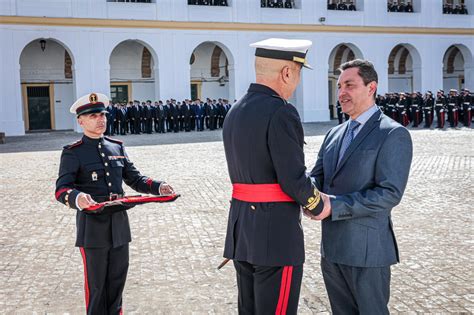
{"x":176,"y":247}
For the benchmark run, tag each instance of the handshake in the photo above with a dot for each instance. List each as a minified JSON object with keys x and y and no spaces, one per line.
{"x":326,"y":212}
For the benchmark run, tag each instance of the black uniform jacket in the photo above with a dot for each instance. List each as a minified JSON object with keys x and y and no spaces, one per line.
{"x":97,"y":167}
{"x":263,"y":140}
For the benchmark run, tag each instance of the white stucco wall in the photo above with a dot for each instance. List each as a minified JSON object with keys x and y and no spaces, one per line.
{"x":91,"y":49}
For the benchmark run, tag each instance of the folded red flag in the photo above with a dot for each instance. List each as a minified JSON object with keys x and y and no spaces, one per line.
{"x":126,"y":203}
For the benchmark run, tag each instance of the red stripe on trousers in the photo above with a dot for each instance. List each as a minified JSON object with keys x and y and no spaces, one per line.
{"x":86,"y":282}
{"x":287,"y":291}
{"x":284,"y":290}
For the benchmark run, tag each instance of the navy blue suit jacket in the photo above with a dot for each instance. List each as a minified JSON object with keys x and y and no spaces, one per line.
{"x":368,"y":182}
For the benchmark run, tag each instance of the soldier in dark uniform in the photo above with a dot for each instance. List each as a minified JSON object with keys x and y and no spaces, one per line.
{"x":340,"y":114}
{"x":466,"y":100}
{"x":428,"y":108}
{"x":415,"y":109}
{"x":332,"y":5}
{"x":381,"y":103}
{"x":92,"y":170}
{"x":402,"y":108}
{"x":263,"y":141}
{"x":440,"y":108}
{"x":453,"y":114}
{"x":409,"y":7}
{"x":392,"y":100}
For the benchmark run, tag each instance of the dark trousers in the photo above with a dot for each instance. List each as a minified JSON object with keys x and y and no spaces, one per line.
{"x":356,"y":290}
{"x":265,"y":290}
{"x":105,"y":272}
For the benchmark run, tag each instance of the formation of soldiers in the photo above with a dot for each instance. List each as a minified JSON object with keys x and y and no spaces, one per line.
{"x":148,"y":117}
{"x":221,"y":3}
{"x":449,"y":8}
{"x":399,"y":7}
{"x":454,"y":108}
{"x":340,"y":5}
{"x":287,"y":4}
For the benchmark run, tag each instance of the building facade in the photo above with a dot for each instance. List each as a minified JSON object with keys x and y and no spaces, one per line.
{"x":54,"y":51}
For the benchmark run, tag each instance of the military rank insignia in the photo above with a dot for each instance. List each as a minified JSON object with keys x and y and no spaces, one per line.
{"x":93,"y":98}
{"x":94,"y":176}
{"x":313,"y":201}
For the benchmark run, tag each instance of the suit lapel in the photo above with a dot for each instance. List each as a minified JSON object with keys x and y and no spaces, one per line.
{"x":368,"y":127}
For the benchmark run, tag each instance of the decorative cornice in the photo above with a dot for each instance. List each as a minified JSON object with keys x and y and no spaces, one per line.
{"x":220,"y":26}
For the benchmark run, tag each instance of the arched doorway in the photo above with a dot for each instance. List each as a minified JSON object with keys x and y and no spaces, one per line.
{"x":47,"y":80}
{"x":404,"y":69}
{"x":133,"y":72}
{"x":212,"y":72}
{"x":453,"y":68}
{"x":340,"y":54}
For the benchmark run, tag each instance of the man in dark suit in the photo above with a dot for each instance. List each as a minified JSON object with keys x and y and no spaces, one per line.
{"x":92,"y":170}
{"x":200,"y":113}
{"x":111,"y":118}
{"x":263,"y":141}
{"x":160,"y":116}
{"x":148,"y":117}
{"x":122,"y":119}
{"x":186,"y":114}
{"x":363,"y":166}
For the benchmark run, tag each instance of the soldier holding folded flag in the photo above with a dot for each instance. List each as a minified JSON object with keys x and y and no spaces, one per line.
{"x":92,"y":170}
{"x":263,"y":141}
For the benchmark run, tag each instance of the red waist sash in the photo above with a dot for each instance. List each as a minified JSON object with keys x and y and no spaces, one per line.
{"x":260,"y":193}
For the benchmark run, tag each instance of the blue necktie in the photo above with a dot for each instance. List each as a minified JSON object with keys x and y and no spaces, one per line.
{"x":348,"y":137}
